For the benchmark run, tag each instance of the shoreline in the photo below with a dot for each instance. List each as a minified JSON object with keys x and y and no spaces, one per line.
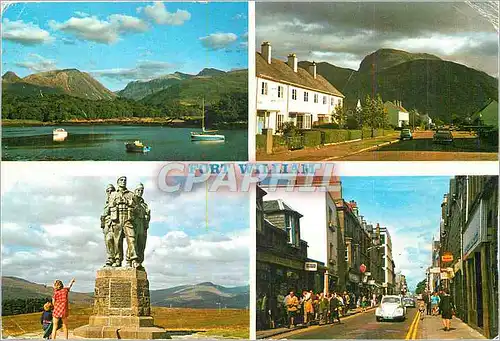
{"x":136,"y":122}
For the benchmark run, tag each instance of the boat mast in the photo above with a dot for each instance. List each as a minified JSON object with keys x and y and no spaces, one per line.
{"x":203,"y":108}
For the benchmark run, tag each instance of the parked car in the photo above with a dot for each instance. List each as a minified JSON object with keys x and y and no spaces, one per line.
{"x":391,"y":308}
{"x":409,"y":302}
{"x":443,"y":136}
{"x":405,"y":135}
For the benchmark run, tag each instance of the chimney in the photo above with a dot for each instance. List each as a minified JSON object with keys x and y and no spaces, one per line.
{"x":266,"y":51}
{"x":312,"y":69}
{"x":292,"y":61}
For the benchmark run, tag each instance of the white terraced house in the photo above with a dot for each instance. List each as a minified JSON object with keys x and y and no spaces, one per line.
{"x":288,"y":93}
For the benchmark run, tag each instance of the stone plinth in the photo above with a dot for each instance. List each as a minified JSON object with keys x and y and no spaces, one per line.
{"x":121,"y":307}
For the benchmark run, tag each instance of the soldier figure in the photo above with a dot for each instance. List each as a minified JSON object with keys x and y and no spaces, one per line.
{"x":122,"y":205}
{"x":141,"y":223}
{"x":112,"y":232}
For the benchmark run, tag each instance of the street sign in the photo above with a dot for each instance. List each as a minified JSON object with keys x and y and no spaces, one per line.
{"x":311,"y":266}
{"x":447,"y":257}
{"x":444,"y":275}
{"x":362,"y":268}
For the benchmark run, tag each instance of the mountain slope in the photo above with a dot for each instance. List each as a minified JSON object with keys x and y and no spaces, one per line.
{"x":386,"y":58}
{"x":203,"y":295}
{"x":438,"y":88}
{"x":191,"y":91}
{"x":18,"y":288}
{"x":72,"y":82}
{"x":10,"y":76}
{"x":138,"y":89}
{"x":422,"y":81}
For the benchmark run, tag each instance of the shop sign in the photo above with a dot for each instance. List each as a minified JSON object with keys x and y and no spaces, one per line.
{"x":435,"y":270}
{"x":447,"y":257}
{"x":458,"y":266}
{"x":311,"y":266}
{"x":444,"y":275}
{"x":474,"y":234}
{"x":354,"y":278}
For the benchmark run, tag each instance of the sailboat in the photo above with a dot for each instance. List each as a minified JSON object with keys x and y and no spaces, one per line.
{"x":206,"y":135}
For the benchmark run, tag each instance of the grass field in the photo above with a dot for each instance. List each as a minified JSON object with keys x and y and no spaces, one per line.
{"x":229,"y":323}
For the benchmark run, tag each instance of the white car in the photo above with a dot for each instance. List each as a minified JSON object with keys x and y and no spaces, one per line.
{"x":391,"y":308}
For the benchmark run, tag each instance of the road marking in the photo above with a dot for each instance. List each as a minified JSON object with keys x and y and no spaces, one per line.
{"x":415,"y":328}
{"x":410,"y":331}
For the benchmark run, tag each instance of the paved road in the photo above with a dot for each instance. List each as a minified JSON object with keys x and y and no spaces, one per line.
{"x":422,"y":148}
{"x":360,"y":326}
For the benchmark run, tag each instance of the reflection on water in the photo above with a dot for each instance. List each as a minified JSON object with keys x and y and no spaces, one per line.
{"x":59,"y":138}
{"x":107,"y":142}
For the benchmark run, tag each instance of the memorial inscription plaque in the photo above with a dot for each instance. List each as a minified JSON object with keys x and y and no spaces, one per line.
{"x":122,"y":295}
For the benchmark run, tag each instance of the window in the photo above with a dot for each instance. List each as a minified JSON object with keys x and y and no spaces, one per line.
{"x":280,"y":92}
{"x":306,"y":96}
{"x":291,"y":229}
{"x":264,"y":88}
{"x":294,"y":94}
{"x":324,"y":99}
{"x":279,"y":122}
{"x":332,"y":102}
{"x":307,"y":121}
{"x":315,"y":98}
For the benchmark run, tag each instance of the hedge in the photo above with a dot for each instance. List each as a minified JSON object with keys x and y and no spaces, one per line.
{"x":354,"y":134}
{"x":312,"y":138}
{"x":279,"y":141}
{"x":260,"y":141}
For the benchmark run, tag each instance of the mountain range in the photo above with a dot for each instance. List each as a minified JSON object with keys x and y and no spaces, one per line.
{"x":203,"y":295}
{"x":420,"y":81}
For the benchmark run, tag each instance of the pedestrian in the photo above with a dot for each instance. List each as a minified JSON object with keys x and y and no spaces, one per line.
{"x":435,"y":303}
{"x":364,"y":304}
{"x":335,"y":307}
{"x":323,"y":309}
{"x":292,"y":305}
{"x":427,"y":301}
{"x":315,"y":299}
{"x":346,"y":303}
{"x":447,"y":309}
{"x":46,"y":320}
{"x":308,"y":307}
{"x":421,"y":309}
{"x":374,"y":301}
{"x":60,"y":301}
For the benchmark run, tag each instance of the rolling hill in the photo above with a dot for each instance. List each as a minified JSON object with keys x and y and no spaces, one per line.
{"x":191,"y":91}
{"x":18,"y":288}
{"x":203,"y":295}
{"x":422,"y":81}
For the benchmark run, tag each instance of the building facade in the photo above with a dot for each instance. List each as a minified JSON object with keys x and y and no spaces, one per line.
{"x":387,"y":261}
{"x":397,"y":115}
{"x":289,"y":93}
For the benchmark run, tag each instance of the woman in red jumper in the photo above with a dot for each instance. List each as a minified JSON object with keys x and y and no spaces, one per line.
{"x":60,"y":301}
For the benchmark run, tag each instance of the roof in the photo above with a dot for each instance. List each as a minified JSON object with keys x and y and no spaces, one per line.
{"x":400,"y":108}
{"x":279,"y":71}
{"x":278,"y":206}
{"x":489,"y":114}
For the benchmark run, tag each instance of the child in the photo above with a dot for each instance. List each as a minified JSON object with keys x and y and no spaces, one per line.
{"x":46,"y":320}
{"x":421,"y":309}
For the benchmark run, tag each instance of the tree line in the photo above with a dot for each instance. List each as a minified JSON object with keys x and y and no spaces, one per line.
{"x":232,"y":107}
{"x":23,"y":306}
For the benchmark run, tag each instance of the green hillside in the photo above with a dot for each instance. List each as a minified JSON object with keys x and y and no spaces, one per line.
{"x":191,"y":91}
{"x":339,"y":76}
{"x":137,"y":90}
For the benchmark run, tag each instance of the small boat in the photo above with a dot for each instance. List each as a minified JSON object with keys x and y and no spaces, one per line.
{"x":137,"y":147}
{"x":60,"y":133}
{"x":206,"y":135}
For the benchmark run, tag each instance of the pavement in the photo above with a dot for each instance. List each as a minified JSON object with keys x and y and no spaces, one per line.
{"x":432,"y":328}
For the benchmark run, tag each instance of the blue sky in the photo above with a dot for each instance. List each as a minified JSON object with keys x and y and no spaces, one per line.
{"x":411,"y":209}
{"x":120,"y":42}
{"x":51,"y":229}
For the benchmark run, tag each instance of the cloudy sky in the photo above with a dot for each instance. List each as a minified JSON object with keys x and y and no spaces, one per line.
{"x":344,"y":33}
{"x":118,"y":42}
{"x":410,"y":207}
{"x":51,"y":227}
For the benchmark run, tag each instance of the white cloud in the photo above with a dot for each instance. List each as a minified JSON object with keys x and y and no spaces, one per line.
{"x":160,"y":15}
{"x":24,"y":33}
{"x":240,"y":16}
{"x":82,"y":14}
{"x":101,"y":31}
{"x":217,"y":41}
{"x":37,"y":63}
{"x":144,"y":70}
